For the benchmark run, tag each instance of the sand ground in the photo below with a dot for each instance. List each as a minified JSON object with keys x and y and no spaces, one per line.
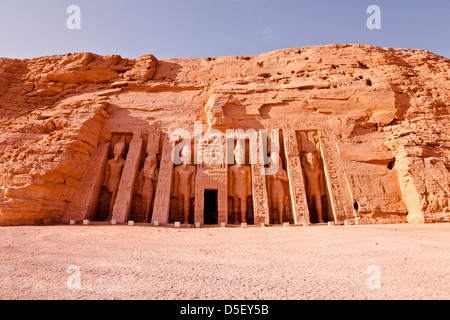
{"x":147,"y":262}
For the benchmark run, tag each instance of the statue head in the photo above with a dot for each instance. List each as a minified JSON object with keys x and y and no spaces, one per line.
{"x":311,"y":159}
{"x":186,"y":155}
{"x":239,"y":152}
{"x":153,"y":149}
{"x":275,"y":161}
{"x":275,"y":158}
{"x":119,"y":147}
{"x":153,"y":143}
{"x":151,"y":159}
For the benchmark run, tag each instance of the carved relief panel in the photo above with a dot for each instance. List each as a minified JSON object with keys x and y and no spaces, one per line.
{"x":163,"y":190}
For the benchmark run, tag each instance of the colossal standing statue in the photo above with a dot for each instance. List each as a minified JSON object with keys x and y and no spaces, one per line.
{"x":314,"y":181}
{"x":114,"y":172}
{"x":146,"y":183}
{"x":240,"y":182}
{"x":275,"y":186}
{"x":184,"y":183}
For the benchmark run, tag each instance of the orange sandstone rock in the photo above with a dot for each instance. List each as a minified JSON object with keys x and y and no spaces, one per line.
{"x":382,"y":114}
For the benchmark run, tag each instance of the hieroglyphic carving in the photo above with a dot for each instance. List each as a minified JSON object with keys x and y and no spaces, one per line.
{"x":222,"y":206}
{"x":163,"y":189}
{"x":259,"y":190}
{"x":338,"y":189}
{"x":295,"y":174}
{"x":85,"y":199}
{"x":121,"y":208}
{"x":199,"y":205}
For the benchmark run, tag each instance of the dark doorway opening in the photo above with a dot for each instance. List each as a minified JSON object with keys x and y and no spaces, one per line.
{"x":210,"y":209}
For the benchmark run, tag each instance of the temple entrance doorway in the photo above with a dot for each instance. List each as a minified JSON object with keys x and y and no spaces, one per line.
{"x":210,"y":207}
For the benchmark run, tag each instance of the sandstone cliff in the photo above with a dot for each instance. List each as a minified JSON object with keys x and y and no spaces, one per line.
{"x":388,"y":110}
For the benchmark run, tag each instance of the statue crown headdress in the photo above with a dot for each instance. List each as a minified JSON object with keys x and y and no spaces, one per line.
{"x":120,"y":144}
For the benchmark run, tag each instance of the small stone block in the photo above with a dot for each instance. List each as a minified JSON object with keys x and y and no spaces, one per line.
{"x":222,"y":224}
{"x":73,"y":222}
{"x":348,"y":223}
{"x":305,"y":224}
{"x":177,"y":224}
{"x":85,"y":222}
{"x":131,"y":223}
{"x":286,"y":224}
{"x":113,"y":222}
{"x":156,"y":223}
{"x":243,"y":225}
{"x":263,"y":225}
{"x":330,"y":223}
{"x":197,"y":224}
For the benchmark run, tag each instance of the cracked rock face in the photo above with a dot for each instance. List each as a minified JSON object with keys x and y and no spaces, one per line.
{"x":387,"y":109}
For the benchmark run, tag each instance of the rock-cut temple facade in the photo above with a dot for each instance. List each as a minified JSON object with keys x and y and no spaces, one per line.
{"x":318,"y":134}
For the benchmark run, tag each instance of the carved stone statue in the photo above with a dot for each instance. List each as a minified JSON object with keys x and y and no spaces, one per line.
{"x":275,"y":186}
{"x":240,"y":182}
{"x":314,"y":181}
{"x":146,"y":183}
{"x":114,"y":172}
{"x":184,"y":183}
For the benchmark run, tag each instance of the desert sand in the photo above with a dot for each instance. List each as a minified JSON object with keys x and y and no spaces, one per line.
{"x":148,"y":262}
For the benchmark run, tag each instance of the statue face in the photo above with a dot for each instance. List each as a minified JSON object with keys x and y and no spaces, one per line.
{"x":239,"y":154}
{"x":118,"y":149}
{"x":186,"y":155}
{"x":275,"y":158}
{"x":310,"y":157}
{"x":240,"y":157}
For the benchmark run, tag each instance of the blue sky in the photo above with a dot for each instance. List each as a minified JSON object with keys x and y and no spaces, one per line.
{"x":204,"y":28}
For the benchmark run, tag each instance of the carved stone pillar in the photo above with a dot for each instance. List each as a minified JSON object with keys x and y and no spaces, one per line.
{"x":338,"y":190}
{"x":162,"y":196}
{"x":295,"y":174}
{"x":85,"y":198}
{"x":199,"y":202}
{"x":222,"y":203}
{"x":259,"y":190}
{"x":121,"y":210}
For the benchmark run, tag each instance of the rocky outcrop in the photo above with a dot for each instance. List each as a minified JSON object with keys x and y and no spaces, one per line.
{"x":388,"y":110}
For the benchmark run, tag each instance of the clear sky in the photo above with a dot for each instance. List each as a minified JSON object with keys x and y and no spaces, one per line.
{"x":204,"y":28}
